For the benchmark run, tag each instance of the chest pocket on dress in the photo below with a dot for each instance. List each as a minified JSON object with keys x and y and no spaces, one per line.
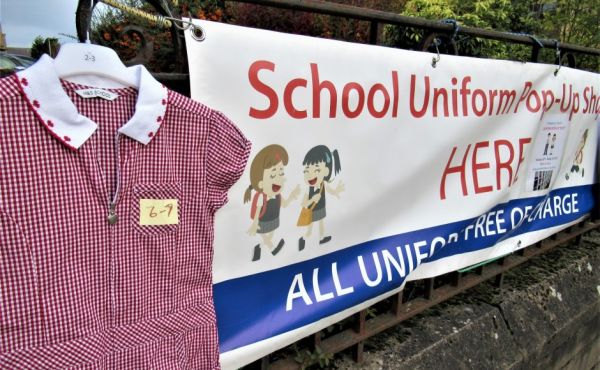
{"x":147,"y":268}
{"x":156,"y":209}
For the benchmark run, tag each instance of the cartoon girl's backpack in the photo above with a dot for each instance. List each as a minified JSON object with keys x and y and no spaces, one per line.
{"x":263,"y":209}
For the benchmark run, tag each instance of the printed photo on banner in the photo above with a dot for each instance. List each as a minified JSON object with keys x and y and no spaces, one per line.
{"x":547,"y":155}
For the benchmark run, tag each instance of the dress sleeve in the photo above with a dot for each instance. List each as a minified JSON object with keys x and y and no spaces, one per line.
{"x":228,"y":151}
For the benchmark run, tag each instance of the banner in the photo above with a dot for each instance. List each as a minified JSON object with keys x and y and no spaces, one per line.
{"x":370,"y":167}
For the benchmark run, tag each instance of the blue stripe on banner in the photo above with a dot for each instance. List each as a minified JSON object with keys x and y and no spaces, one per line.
{"x":256,"y":307}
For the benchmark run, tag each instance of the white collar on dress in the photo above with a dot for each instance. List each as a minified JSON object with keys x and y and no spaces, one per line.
{"x":47,"y":98}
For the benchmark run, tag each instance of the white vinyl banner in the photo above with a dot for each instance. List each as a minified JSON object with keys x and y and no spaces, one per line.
{"x":369,"y":167}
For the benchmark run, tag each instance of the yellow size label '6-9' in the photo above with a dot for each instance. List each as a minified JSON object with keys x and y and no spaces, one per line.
{"x":158,"y":212}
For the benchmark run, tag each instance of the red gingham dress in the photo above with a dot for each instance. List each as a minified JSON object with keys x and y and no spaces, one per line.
{"x":76,"y":291}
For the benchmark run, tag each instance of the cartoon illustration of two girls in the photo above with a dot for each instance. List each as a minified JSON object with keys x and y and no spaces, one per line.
{"x":578,"y":156}
{"x":267,"y":178}
{"x":320,"y":164}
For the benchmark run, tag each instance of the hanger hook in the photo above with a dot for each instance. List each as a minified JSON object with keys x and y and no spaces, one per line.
{"x":437,"y":58}
{"x":557,"y":58}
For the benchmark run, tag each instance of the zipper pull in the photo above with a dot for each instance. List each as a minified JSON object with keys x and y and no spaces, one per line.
{"x":112,"y":214}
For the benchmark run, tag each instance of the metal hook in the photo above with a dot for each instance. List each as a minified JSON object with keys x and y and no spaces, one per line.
{"x":161,"y":20}
{"x":456,"y":28}
{"x":557,"y":58}
{"x":436,"y":59}
{"x":197,"y":32}
{"x":176,"y":21}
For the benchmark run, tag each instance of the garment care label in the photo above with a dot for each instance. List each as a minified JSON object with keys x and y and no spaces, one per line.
{"x":97,"y":93}
{"x":158,"y":212}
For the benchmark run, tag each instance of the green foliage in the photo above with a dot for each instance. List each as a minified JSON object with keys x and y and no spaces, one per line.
{"x":488,"y":14}
{"x":40,"y":46}
{"x":572,"y":21}
{"x":429,"y":9}
{"x":305,"y":23}
{"x":307,"y":358}
{"x":106,"y":29}
{"x":109,"y":28}
{"x":575,"y":22}
{"x":410,"y":38}
{"x":560,"y":21}
{"x":371,"y":312}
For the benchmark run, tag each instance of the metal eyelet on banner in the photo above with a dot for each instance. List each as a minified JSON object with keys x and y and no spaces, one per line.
{"x":198,"y":33}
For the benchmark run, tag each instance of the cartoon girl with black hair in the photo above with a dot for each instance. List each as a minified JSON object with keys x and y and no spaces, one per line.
{"x":267,"y":178}
{"x":320,"y":164}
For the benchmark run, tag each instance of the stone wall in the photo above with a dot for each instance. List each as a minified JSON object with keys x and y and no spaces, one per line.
{"x":547,"y":316}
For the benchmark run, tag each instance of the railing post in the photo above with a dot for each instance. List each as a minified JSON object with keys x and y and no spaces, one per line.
{"x":429,"y":291}
{"x":358,"y":350}
{"x":456,"y":276}
{"x":317,"y":340}
{"x":264,"y":363}
{"x":397,"y":303}
{"x":596,"y":195}
{"x":535,"y":53}
{"x":374,"y":33}
{"x":499,"y":280}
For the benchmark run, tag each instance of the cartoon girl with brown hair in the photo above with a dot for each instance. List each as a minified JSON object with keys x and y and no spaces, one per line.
{"x":320,"y":165}
{"x":267,"y":178}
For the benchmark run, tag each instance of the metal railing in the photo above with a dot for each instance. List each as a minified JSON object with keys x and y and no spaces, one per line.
{"x":377,"y":17}
{"x":403,"y":306}
{"x":435,"y":30}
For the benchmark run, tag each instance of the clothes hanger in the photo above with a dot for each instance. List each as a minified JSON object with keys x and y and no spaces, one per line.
{"x":94,"y":64}
{"x":97,"y":65}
